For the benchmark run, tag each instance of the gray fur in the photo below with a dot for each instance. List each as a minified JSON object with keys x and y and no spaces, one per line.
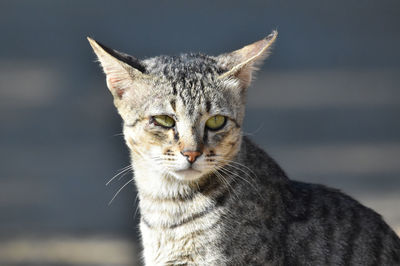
{"x":242,"y":210}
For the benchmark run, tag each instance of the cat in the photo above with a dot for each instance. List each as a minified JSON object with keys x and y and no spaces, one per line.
{"x":207,"y":194}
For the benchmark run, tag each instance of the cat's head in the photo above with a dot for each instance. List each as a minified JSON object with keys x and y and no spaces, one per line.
{"x":182,"y":114}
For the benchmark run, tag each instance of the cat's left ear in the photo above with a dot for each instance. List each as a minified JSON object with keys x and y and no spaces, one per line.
{"x":122,"y":70}
{"x":241,"y":63}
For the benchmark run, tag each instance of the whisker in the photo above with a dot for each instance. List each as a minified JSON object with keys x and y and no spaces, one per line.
{"x":241,"y":170}
{"x":118,"y":134}
{"x":237,"y":163}
{"x":235,"y":174}
{"x":228,"y":165}
{"x":119,"y":190}
{"x":255,"y":131}
{"x":123,"y":170}
{"x":225,"y":181}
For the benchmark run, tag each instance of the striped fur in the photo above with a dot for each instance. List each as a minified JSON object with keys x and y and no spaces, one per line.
{"x":233,"y":205}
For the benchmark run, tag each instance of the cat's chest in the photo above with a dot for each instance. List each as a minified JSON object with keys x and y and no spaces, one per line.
{"x":191,"y":244}
{"x":176,"y":237}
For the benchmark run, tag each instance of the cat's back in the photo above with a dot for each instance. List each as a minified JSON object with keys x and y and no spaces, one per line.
{"x":326,"y":227}
{"x":307,"y":224}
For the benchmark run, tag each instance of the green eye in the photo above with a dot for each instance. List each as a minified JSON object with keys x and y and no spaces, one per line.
{"x":164,"y":121}
{"x":216,"y":122}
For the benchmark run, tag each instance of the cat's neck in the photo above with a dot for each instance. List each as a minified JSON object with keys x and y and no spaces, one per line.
{"x":170,"y":202}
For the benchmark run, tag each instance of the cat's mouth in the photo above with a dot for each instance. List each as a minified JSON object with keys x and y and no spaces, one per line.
{"x":187,"y":174}
{"x":188,"y":171}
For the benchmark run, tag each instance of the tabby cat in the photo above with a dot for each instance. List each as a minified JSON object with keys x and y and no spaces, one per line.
{"x":208,"y":195}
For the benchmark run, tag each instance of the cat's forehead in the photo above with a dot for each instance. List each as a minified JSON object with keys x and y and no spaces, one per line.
{"x":191,"y":80}
{"x":184,"y":66}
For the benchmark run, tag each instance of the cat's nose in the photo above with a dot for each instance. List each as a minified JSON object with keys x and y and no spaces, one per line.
{"x":191,"y":156}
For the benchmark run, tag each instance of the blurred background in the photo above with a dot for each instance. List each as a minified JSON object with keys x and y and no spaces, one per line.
{"x":325,"y":105}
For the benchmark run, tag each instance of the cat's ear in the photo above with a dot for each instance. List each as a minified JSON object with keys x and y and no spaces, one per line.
{"x":122,"y":70}
{"x":241,"y":63}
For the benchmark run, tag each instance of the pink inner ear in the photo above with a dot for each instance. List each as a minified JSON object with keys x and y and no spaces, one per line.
{"x":115,"y":85}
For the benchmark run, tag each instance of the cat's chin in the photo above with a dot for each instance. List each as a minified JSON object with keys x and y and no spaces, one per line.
{"x":187,"y":174}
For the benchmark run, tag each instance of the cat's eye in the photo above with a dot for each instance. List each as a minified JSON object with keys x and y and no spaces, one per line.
{"x":216,"y":122}
{"x":164,"y":121}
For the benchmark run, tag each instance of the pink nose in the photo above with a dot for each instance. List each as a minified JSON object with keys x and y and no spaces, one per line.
{"x":191,"y":156}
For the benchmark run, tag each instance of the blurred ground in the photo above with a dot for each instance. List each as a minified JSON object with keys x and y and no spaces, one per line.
{"x":325,"y":106}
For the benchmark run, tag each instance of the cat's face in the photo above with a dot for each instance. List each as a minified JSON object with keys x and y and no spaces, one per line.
{"x":182,"y":115}
{"x":186,"y":129}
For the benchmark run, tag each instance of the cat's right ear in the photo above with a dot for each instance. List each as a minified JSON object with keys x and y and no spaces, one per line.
{"x":240,"y":64}
{"x":121,"y":70}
